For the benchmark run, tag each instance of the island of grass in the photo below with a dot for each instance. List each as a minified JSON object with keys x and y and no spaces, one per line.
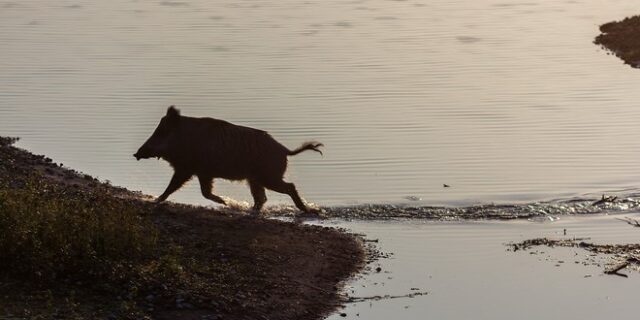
{"x":623,"y":39}
{"x":72,"y":247}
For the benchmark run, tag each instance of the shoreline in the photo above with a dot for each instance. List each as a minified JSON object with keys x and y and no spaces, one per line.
{"x":620,"y":38}
{"x":220,"y":265}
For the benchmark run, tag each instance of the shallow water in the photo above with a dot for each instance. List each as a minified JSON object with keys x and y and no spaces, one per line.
{"x":505,"y":101}
{"x":469,"y":274}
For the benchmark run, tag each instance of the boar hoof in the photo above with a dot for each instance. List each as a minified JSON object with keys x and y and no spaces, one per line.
{"x":217,"y":199}
{"x":254,"y":213}
{"x":312,"y":212}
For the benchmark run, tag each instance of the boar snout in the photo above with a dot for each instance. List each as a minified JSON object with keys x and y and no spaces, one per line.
{"x":144,"y":153}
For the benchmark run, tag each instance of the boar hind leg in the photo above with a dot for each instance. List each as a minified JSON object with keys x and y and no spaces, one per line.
{"x":178,"y":179}
{"x":206,"y":186}
{"x":290,"y":189}
{"x":259,"y":195}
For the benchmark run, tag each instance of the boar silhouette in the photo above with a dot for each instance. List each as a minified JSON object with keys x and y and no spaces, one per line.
{"x":210,"y":148}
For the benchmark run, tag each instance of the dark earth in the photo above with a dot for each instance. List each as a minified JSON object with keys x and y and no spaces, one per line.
{"x":201,"y":264}
{"x":622,"y":39}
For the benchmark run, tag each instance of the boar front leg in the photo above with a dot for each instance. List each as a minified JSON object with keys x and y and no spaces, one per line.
{"x":206,"y":186}
{"x":178,"y":179}
{"x":259,"y":196}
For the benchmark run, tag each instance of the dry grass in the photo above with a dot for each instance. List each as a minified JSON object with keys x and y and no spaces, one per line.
{"x":46,"y":234}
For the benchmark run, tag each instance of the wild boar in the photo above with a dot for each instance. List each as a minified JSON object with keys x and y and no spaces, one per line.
{"x":210,"y":148}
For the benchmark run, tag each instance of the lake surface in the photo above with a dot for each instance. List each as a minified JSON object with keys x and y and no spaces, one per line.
{"x":506,"y":101}
{"x":468,"y":273}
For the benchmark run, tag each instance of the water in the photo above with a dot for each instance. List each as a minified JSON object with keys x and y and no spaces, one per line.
{"x":506,"y":101}
{"x":469,"y":274}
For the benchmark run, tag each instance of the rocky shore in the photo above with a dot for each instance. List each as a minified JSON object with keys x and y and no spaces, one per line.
{"x":72,"y":247}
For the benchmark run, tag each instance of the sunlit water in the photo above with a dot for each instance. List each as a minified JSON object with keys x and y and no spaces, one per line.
{"x":468,"y":273}
{"x":506,"y":101}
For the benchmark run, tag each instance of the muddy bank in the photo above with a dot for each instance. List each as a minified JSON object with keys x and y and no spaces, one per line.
{"x":196,"y":263}
{"x":621,"y":38}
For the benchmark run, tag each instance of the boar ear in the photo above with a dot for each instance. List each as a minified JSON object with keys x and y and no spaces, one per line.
{"x":172,"y":112}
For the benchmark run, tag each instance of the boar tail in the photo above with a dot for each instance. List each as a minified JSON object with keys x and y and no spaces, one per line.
{"x":307,"y":146}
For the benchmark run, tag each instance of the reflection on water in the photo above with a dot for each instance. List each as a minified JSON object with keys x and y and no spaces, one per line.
{"x":503,"y":100}
{"x":469,"y":274}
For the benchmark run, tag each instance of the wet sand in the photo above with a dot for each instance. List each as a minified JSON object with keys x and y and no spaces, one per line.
{"x":233,"y":266}
{"x":621,"y":38}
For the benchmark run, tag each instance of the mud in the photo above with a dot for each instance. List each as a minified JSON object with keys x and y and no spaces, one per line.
{"x":621,"y":38}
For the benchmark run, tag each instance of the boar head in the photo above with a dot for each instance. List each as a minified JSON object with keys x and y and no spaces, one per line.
{"x":158,"y":144}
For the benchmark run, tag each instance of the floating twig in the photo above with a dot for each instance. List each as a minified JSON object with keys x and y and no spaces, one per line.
{"x":630,"y":221}
{"x":605,"y":199}
{"x":387,"y":297}
{"x":615,"y":269}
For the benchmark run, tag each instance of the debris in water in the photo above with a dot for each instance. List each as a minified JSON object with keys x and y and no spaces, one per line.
{"x":387,"y":297}
{"x":605,"y":199}
{"x":630,"y":221}
{"x":628,"y":252}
